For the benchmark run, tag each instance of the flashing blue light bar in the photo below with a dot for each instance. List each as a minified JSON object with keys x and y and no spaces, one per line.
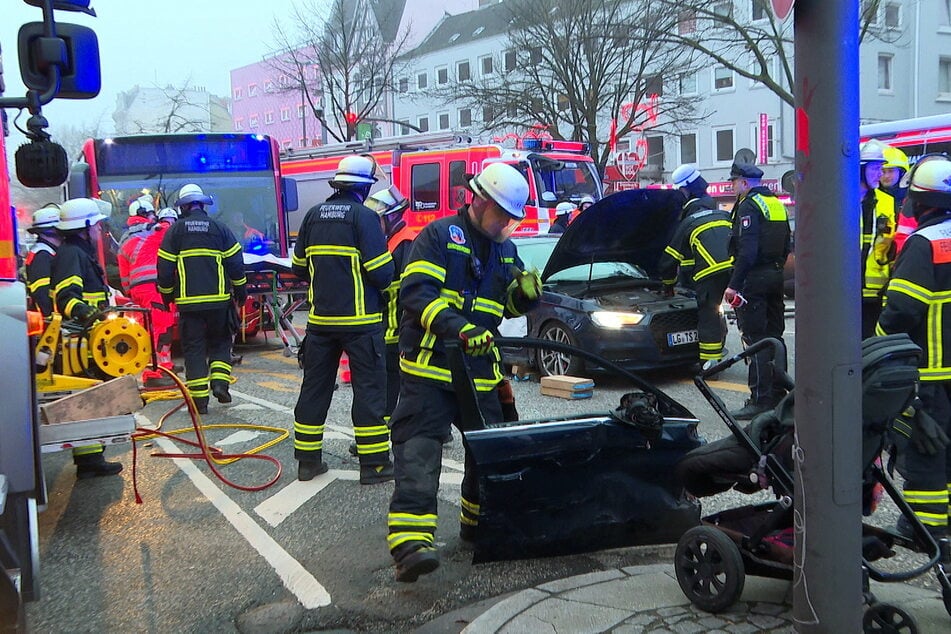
{"x":531,"y":144}
{"x":183,"y":153}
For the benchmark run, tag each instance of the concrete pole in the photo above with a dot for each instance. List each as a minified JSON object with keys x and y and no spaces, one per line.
{"x":827,"y":577}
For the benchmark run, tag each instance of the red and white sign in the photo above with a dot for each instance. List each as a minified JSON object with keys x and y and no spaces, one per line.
{"x":763,"y":139}
{"x":782,"y":8}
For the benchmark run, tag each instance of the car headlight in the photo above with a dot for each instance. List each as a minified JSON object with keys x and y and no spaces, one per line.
{"x":610,"y":319}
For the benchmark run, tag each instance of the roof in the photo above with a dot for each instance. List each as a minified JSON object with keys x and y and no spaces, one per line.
{"x":389,"y":16}
{"x":456,"y":30}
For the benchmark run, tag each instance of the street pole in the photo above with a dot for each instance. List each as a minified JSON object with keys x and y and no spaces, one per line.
{"x":827,"y":580}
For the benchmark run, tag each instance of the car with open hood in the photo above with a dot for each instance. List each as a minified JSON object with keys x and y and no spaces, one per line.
{"x":602,"y":291}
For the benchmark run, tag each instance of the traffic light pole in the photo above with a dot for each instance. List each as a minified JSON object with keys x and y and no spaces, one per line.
{"x":827,"y":581}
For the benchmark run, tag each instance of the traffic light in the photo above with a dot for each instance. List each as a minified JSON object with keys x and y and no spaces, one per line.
{"x":351,"y":118}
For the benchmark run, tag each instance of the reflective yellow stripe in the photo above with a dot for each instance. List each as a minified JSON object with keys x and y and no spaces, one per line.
{"x":369,"y":449}
{"x":431,"y":311}
{"x":87,"y":450}
{"x":423,"y":267}
{"x":910,"y":289}
{"x":302,"y":428}
{"x":484,"y":305}
{"x":925,"y":497}
{"x":332,"y":249}
{"x":674,"y":253}
{"x":394,"y":540}
{"x":72,"y":280}
{"x":399,"y":519}
{"x":360,"y":432}
{"x":454,"y":298}
{"x":39,"y":283}
{"x":235,"y":248}
{"x":296,"y":261}
{"x":70,"y":305}
{"x":345,"y":320}
{"x":377,"y":262}
{"x":469,"y":506}
{"x":716,"y":268}
{"x":308,"y":445}
{"x":436,"y":373}
{"x":165,"y":255}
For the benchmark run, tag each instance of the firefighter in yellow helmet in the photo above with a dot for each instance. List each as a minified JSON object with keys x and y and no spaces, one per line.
{"x":877,"y":222}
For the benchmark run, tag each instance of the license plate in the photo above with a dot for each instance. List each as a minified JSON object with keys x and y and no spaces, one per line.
{"x":682,"y":338}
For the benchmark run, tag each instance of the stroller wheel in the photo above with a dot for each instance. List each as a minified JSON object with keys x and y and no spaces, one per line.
{"x":882,"y":618}
{"x":709,"y":568}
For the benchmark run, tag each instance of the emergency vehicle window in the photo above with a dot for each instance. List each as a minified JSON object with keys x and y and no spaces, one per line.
{"x":424,"y":195}
{"x":457,"y":184}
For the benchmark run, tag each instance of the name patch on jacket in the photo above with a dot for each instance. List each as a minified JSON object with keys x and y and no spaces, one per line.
{"x":941,"y":251}
{"x":333,"y":212}
{"x":197,"y":226}
{"x":456,"y":234}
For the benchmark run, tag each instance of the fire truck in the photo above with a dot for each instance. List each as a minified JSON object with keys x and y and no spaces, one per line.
{"x":430,"y":170}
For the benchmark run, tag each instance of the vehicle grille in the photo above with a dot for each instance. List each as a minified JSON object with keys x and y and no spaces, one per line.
{"x":674,"y":321}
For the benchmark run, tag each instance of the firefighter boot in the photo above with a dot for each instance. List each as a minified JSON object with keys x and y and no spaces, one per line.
{"x":309,"y":469}
{"x":94,"y":466}
{"x":201,"y":404}
{"x":220,"y":390}
{"x":419,"y":562}
{"x":375,"y":474}
{"x":749,"y":410}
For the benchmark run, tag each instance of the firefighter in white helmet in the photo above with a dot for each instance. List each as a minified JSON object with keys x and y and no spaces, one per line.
{"x":563,"y":216}
{"x":915,"y":305}
{"x":341,"y":251}
{"x":39,"y":261}
{"x":463,"y":276}
{"x":878,"y":223}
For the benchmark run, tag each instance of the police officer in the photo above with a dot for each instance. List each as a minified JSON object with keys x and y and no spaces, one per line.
{"x":341,"y":251}
{"x":700,"y":249}
{"x":463,"y":275}
{"x":759,"y":246}
{"x":878,"y":223}
{"x":916,"y":304}
{"x":39,"y":261}
{"x":563,"y":213}
{"x":80,"y":292}
{"x":200,"y":265}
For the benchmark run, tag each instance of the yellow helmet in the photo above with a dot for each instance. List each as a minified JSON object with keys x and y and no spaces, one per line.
{"x":895,"y":158}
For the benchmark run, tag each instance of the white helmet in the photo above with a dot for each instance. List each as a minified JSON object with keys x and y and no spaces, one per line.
{"x":46,"y":217}
{"x":167,"y":213}
{"x":685,"y":174}
{"x":355,"y":170}
{"x":387,"y":201}
{"x":872,"y":151}
{"x":931,"y":182}
{"x":80,"y":213}
{"x":564,"y":208}
{"x":141,"y":206}
{"x":192,"y":193}
{"x":587,"y":199}
{"x":503,"y":184}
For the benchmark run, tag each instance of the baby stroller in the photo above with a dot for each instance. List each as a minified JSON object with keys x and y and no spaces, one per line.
{"x":712,"y":559}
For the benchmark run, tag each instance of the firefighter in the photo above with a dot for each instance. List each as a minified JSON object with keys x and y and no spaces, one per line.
{"x":137,"y":260}
{"x":877,"y":223}
{"x":894,"y":183}
{"x":915,"y":304}
{"x":39,"y":261}
{"x":341,"y":250}
{"x":141,"y":217}
{"x":200,"y":267}
{"x":463,"y":276}
{"x":700,"y":249}
{"x":759,"y":245}
{"x":79,"y":293}
{"x":586,"y":201}
{"x":563,"y":212}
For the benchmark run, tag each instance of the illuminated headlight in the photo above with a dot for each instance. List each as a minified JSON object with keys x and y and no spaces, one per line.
{"x":609,"y":319}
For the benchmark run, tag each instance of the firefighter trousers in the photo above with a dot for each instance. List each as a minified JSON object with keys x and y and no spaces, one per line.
{"x":321,"y":358}
{"x":421,"y":420}
{"x":709,"y":326}
{"x":928,"y":477}
{"x":206,"y":345}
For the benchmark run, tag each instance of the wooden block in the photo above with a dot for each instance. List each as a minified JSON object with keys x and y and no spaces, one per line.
{"x":565,"y":382}
{"x":567,"y":394}
{"x":112,"y":398}
{"x":523,"y":372}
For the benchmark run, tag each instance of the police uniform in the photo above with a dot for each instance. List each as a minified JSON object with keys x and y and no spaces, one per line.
{"x":916,"y":302}
{"x":39,"y":267}
{"x":878,"y":224}
{"x":700,"y":248}
{"x":341,"y":251}
{"x":759,"y":246}
{"x":199,"y":262}
{"x":455,"y":277}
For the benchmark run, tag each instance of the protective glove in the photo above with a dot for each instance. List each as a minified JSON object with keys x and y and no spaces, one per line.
{"x":926,"y":434}
{"x":668,"y":290}
{"x":528,"y":284}
{"x":240,"y":294}
{"x":882,"y":247}
{"x":167,"y":300}
{"x":476,"y":340}
{"x":88,"y":316}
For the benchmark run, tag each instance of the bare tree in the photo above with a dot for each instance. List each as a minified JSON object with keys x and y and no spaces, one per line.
{"x":168,"y":109}
{"x":577,"y":69}
{"x":342,"y":60}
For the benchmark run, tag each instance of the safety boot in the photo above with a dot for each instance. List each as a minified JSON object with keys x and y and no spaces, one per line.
{"x":201,"y":404}
{"x":96,"y":467}
{"x":375,"y":474}
{"x":749,"y":410}
{"x":467,"y":533}
{"x":417,"y":563}
{"x":220,"y":390}
{"x":904,"y":528}
{"x":308,"y":470}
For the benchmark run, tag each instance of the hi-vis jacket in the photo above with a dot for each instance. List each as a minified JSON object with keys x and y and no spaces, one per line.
{"x":77,"y":279}
{"x":447,"y":285}
{"x":760,"y":241}
{"x":39,"y":266}
{"x":342,"y":251}
{"x":918,"y":297}
{"x":199,"y":261}
{"x":700,"y":245}
{"x":399,"y":246}
{"x":878,"y":224}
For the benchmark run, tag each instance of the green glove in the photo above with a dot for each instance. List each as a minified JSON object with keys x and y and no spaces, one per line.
{"x":528,"y":283}
{"x":476,"y":340}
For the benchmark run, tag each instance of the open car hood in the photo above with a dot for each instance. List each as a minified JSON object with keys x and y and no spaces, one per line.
{"x":632,"y":226}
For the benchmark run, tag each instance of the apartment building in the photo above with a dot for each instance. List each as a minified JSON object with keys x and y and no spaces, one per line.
{"x":150,"y":109}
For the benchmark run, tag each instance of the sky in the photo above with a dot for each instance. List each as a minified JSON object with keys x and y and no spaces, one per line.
{"x":151,"y":42}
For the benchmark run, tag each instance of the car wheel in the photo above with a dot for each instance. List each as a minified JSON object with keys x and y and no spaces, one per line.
{"x":550,"y":362}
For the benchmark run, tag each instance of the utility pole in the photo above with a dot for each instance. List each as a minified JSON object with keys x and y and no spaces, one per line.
{"x":827,"y":579}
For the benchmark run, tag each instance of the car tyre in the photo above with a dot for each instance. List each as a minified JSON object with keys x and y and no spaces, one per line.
{"x":550,"y":362}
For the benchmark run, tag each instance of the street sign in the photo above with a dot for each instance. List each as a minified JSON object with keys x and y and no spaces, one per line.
{"x":782,"y":8}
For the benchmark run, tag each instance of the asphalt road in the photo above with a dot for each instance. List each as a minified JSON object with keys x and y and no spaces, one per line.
{"x":199,"y":556}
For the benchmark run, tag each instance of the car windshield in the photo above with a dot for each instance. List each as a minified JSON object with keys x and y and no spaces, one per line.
{"x":535,"y":253}
{"x":564,"y":180}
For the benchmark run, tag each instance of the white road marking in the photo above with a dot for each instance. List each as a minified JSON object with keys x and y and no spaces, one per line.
{"x":333,"y":431}
{"x":295,"y":577}
{"x":247,"y":406}
{"x":238,"y":437}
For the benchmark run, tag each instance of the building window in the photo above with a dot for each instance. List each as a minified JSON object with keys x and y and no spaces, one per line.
{"x":423,"y":124}
{"x":654,"y":85}
{"x":269,"y":117}
{"x":759,"y":10}
{"x":403,"y":84}
{"x":687,"y":22}
{"x":869,"y":12}
{"x":563,"y":103}
{"x":722,"y":79}
{"x":237,"y":94}
{"x":422,"y":81}
{"x":286,"y":144}
{"x":723,"y":145}
{"x":688,"y":148}
{"x":424,"y":187}
{"x":511,"y":61}
{"x":655,"y":151}
{"x":285,"y":114}
{"x":443,"y":120}
{"x":488,"y":114}
{"x":892,"y":16}
{"x":252,"y":90}
{"x":269,"y":86}
{"x":442,"y":75}
{"x":770,"y":140}
{"x":300,"y":111}
{"x":535,"y":55}
{"x":239,"y":124}
{"x":465,"y":117}
{"x":687,"y":84}
{"x":404,"y":127}
{"x":462,"y":71}
{"x":885,"y":73}
{"x":253,"y":121}
{"x":301,"y":142}
{"x":944,"y":77}
{"x":458,"y":185}
{"x":486,"y":64}
{"x":284,"y":81}
{"x":723,"y":9}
